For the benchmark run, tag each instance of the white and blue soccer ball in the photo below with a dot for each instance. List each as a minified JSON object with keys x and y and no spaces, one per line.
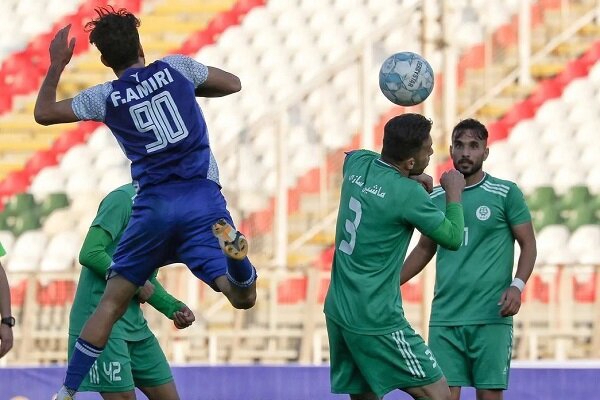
{"x":406,"y":78}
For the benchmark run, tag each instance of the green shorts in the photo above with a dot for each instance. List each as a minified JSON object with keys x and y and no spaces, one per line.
{"x":379,"y":363}
{"x":473,"y":355}
{"x":123,"y":365}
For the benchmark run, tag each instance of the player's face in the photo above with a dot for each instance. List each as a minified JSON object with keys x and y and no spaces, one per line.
{"x":468,"y":153}
{"x":422,"y":157}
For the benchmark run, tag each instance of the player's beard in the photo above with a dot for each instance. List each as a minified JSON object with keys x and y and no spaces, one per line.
{"x":468,"y":168}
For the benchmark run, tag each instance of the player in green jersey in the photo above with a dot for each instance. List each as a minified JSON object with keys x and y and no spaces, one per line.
{"x":7,"y":321}
{"x":373,"y":349}
{"x":475,"y":295}
{"x":133,"y":357}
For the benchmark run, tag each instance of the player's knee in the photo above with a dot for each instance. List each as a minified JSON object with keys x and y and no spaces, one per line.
{"x":112,"y":309}
{"x":119,"y":396}
{"x":245,"y":301}
{"x":489,"y":394}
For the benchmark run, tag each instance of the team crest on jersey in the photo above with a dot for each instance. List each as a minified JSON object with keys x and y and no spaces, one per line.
{"x":483,"y":213}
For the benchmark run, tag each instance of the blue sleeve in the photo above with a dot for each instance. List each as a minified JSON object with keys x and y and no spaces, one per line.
{"x":196,"y":72}
{"x":90,"y":104}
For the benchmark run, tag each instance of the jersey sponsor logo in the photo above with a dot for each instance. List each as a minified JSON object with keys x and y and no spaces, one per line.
{"x":483,"y":213}
{"x":146,"y":87}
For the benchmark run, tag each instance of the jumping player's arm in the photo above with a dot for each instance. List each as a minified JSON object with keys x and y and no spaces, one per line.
{"x":208,"y":81}
{"x":47,"y":110}
{"x":218,"y":84}
{"x":519,"y":219}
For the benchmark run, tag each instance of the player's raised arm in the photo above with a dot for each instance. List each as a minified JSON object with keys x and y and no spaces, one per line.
{"x":47,"y":110}
{"x":219,"y":83}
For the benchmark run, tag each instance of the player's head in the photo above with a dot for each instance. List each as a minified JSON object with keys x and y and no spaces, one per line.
{"x":469,"y":146}
{"x":115,"y":34}
{"x":407,"y":141}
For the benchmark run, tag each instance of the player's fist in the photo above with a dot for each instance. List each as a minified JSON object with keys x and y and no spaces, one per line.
{"x":453,"y":183}
{"x":425,"y":180}
{"x":183,"y":318}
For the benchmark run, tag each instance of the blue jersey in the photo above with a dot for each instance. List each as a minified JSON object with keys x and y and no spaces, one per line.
{"x":153,"y":113}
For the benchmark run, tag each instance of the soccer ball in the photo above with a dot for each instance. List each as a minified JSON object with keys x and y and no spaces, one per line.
{"x":406,"y":78}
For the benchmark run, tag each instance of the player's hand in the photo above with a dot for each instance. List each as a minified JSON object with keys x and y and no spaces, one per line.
{"x":183,"y":318}
{"x":145,"y":292}
{"x":510,"y":302}
{"x":61,"y":48}
{"x":6,"y":339}
{"x":453,"y":183}
{"x":425,"y":180}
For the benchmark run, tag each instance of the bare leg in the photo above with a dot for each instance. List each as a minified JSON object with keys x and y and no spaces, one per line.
{"x":435,"y":391}
{"x":241,"y":298}
{"x":455,"y":391}
{"x":489,"y":394}
{"x":168,"y":391}
{"x":119,"y":396}
{"x":113,"y":304}
{"x":364,"y":396}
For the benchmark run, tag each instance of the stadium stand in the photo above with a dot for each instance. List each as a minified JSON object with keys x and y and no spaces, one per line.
{"x":300,"y":64}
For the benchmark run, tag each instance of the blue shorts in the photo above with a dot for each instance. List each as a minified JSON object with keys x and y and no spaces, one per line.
{"x":173,"y":221}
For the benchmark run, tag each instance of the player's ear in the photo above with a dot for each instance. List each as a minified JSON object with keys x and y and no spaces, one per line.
{"x":486,"y":153}
{"x":409,"y":164}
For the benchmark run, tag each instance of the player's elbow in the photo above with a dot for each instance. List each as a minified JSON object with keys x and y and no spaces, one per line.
{"x":42,"y":117}
{"x":234,"y":84}
{"x":84,"y":258}
{"x":453,"y":244}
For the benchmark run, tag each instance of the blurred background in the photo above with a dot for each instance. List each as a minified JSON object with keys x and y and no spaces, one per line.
{"x":527,"y":68}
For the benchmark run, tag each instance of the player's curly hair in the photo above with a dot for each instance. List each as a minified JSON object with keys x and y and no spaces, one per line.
{"x":404,"y":135}
{"x":470,"y":124}
{"x":115,"y":34}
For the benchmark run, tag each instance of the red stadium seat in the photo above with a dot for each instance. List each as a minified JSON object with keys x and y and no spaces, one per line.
{"x":292,"y":291}
{"x":56,"y":293}
{"x":323,"y":288}
{"x":17,"y":293}
{"x":310,"y":182}
{"x":15,"y":182}
{"x":520,"y":111}
{"x":585,"y":291}
{"x":66,"y":141}
{"x":243,"y":6}
{"x":196,"y":42}
{"x":574,"y":69}
{"x":548,"y":89}
{"x":506,"y":35}
{"x":39,"y":161}
{"x":326,"y":258}
{"x":412,"y":292}
{"x":497,"y":131}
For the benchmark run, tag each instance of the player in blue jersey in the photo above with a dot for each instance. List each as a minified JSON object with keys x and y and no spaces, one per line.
{"x":180,"y":212}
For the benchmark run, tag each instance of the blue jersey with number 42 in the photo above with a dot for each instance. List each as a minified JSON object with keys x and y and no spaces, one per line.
{"x":153,"y":113}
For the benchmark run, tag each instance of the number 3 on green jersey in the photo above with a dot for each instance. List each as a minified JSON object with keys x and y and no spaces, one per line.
{"x":351,"y":227}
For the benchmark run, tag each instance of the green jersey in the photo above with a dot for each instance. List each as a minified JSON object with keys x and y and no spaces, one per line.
{"x":379,"y":209}
{"x":113,"y":216}
{"x":2,"y":251}
{"x":470,"y":281}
